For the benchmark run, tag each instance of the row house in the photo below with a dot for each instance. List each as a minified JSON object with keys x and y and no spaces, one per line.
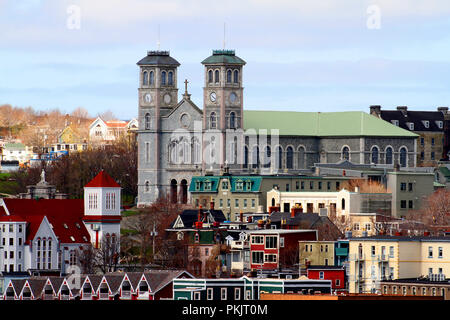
{"x":431,"y":287}
{"x":148,"y":285}
{"x":43,"y":236}
{"x":244,"y":288}
{"x":380,"y":258}
{"x":336,"y":274}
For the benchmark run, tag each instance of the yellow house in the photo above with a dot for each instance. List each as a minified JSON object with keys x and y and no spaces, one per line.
{"x":378,"y":258}
{"x":69,"y":140}
{"x":316,"y":253}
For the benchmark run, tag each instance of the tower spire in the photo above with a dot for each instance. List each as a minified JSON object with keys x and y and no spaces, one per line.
{"x":224,"y":28}
{"x":158,"y":44}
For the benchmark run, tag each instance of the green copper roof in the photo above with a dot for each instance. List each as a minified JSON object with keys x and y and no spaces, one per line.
{"x":223,"y":57}
{"x":210,"y":184}
{"x":322,"y":124}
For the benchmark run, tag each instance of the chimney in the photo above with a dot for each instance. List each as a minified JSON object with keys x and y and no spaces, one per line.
{"x":444,"y":110}
{"x":293,"y":212}
{"x":357,"y":189}
{"x":403,"y":109}
{"x":274,"y":209}
{"x":375,"y":110}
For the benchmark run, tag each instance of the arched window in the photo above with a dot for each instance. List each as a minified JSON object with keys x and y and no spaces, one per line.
{"x":213,"y":120}
{"x":148,"y":120}
{"x":279,"y":158}
{"x":290,"y":158}
{"x":173,"y":191}
{"x":185,"y":154}
{"x":255,"y":157}
{"x":170,"y":79}
{"x":210,"y":76}
{"x":229,"y":76}
{"x":267,"y":157}
{"x":232,"y":120}
{"x":403,"y":157}
{"x":163,"y":78}
{"x":245,"y":157}
{"x":301,"y":158}
{"x":236,"y":76}
{"x":173,"y":152}
{"x":216,"y":76}
{"x":374,"y":155}
{"x":145,"y":78}
{"x":345,"y":153}
{"x":184,"y":191}
{"x":389,"y":159}
{"x":152,"y":78}
{"x":195,"y":151}
{"x":233,"y":151}
{"x":147,"y":186}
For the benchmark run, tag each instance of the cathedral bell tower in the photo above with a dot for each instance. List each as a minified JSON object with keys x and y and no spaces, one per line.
{"x":157,"y":96}
{"x":223,"y":98}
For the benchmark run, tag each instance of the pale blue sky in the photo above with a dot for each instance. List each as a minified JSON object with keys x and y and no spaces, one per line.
{"x":301,"y":55}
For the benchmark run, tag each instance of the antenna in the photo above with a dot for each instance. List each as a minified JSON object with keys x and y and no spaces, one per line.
{"x":159,"y":39}
{"x":224,"y":35}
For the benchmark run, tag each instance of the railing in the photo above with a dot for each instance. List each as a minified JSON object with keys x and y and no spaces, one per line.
{"x":356,"y":257}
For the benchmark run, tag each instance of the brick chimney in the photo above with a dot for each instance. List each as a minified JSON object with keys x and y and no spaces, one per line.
{"x":274,"y":209}
{"x":444,"y":110}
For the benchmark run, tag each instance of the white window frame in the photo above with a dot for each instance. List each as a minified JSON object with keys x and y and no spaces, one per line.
{"x":237,"y":293}
{"x":223,"y":293}
{"x":209,"y":294}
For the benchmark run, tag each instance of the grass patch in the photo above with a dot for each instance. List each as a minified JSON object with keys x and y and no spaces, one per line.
{"x":128,"y":232}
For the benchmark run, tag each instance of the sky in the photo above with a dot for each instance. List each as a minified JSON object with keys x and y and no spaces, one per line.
{"x":302,"y":55}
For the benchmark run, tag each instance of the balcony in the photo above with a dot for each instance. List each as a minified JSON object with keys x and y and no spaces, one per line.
{"x":341,"y":252}
{"x":356,"y":257}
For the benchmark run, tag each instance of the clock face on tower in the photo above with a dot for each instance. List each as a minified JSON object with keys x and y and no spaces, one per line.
{"x":213,"y":97}
{"x":167,"y":98}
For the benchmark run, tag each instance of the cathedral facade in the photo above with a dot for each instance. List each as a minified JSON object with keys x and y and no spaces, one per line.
{"x":178,"y":140}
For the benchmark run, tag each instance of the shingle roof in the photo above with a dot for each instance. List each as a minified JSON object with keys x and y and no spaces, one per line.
{"x":415,"y":117}
{"x":189,"y":216}
{"x":322,"y":124}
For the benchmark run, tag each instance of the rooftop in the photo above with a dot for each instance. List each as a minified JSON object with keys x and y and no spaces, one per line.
{"x":223,"y":57}
{"x":154,"y":58}
{"x":322,"y":124}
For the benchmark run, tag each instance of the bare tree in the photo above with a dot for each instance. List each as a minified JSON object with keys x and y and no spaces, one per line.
{"x":107,"y":256}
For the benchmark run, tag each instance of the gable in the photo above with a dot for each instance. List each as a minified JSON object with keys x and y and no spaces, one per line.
{"x":190,"y":113}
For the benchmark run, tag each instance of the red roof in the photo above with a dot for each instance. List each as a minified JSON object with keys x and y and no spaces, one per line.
{"x":116,"y":124}
{"x":102,"y":180}
{"x":65,"y":216}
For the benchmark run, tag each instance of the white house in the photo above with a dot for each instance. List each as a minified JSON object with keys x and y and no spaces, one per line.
{"x":108,"y":131}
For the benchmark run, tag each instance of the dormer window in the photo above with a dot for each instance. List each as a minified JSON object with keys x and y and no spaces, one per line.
{"x":207,"y":185}
{"x":248,"y":186}
{"x":225,"y":185}
{"x":426,"y":123}
{"x":239,"y":185}
{"x":394,"y":122}
{"x":410,"y":125}
{"x":65,"y":226}
{"x":77,"y":225}
{"x":440,"y":124}
{"x":198,"y":185}
{"x":197,"y":238}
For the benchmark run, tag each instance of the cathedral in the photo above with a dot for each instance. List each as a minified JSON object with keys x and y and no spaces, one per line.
{"x":178,"y":140}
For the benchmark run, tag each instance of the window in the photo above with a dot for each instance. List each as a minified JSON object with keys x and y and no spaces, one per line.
{"x":403,"y":157}
{"x":236,"y":203}
{"x":11,"y":228}
{"x":426,"y":124}
{"x":328,"y":185}
{"x":375,"y":155}
{"x":410,"y":187}
{"x":257,"y":257}
{"x":422,"y":141}
{"x":440,"y":252}
{"x":236,"y":76}
{"x":213,"y":120}
{"x":320,"y":185}
{"x":321,"y":275}
{"x":404,"y":290}
{"x":424,"y":291}
{"x":290,"y":158}
{"x":372,"y":250}
{"x":228,"y":203}
{"x":152,"y":78}
{"x":232,"y":120}
{"x":439,"y":124}
{"x":403,"y":204}
{"x":20,"y":228}
{"x":253,"y":203}
{"x":411,"y":126}
{"x":257,"y":239}
{"x":430,"y":252}
{"x":414,"y":291}
{"x":270,"y":258}
{"x":147,"y":121}
{"x":432,"y":141}
{"x":395,"y":122}
{"x":343,"y":204}
{"x":210,"y":76}
{"x":196,"y":295}
{"x":163,"y":78}
{"x":403,"y":186}
{"x":410,"y":204}
{"x":170,"y":80}
{"x":209,"y":293}
{"x":237,"y":293}
{"x":216,"y":76}
{"x":11,"y":241}
{"x":338,"y":283}
{"x":271,"y":242}
{"x":356,"y":226}
{"x":432,"y":155}
{"x":281,"y":242}
{"x":389,"y":159}
{"x":311,"y":185}
{"x":338,"y":185}
{"x":245,"y":203}
{"x":145,"y":78}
